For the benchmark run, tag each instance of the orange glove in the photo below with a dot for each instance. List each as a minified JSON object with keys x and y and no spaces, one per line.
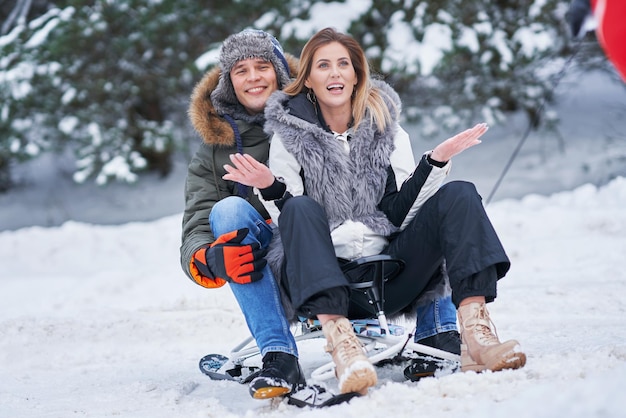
{"x":227,"y":260}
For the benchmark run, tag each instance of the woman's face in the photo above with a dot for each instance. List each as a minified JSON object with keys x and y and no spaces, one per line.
{"x":332,"y":76}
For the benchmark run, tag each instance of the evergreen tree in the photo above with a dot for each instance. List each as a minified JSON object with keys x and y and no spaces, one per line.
{"x":457,"y":62}
{"x":110,"y":80}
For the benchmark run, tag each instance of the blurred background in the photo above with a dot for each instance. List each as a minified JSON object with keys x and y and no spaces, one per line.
{"x":94,"y":94}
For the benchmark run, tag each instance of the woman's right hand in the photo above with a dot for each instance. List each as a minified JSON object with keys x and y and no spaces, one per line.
{"x":458,"y":143}
{"x":246,"y":170}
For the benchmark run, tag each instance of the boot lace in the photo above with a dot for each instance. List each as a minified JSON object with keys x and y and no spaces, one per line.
{"x":347,"y":345}
{"x":484,"y":328}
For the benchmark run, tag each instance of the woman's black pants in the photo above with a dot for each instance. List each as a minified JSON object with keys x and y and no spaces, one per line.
{"x":452,"y":225}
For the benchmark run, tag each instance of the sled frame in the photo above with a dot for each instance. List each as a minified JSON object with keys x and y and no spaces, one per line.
{"x":380,"y":339}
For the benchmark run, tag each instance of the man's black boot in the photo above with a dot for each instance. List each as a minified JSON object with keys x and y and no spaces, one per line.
{"x":281,"y":375}
{"x":449,"y":341}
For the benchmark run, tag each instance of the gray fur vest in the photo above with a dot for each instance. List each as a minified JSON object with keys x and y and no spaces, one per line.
{"x":348,"y":186}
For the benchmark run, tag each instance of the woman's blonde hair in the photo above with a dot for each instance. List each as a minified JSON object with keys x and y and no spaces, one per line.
{"x":365,"y":96}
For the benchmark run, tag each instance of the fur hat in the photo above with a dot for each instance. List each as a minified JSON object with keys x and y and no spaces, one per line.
{"x":249,"y":43}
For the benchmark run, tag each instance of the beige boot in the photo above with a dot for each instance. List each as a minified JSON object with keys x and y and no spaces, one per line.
{"x":352,"y":367}
{"x":480,"y":348}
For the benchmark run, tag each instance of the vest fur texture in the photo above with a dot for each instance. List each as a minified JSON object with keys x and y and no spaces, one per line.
{"x":348,"y":186}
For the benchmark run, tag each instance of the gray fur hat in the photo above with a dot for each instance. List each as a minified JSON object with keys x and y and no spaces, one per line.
{"x":249,"y":43}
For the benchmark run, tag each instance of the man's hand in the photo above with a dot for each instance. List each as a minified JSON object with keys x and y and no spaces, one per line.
{"x":458,"y":143}
{"x":229,"y":260}
{"x":248,"y":171}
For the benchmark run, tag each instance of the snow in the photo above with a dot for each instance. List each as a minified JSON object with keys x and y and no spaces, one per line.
{"x":335,"y":14}
{"x":533,"y":39}
{"x":42,"y":32}
{"x":100,"y":321}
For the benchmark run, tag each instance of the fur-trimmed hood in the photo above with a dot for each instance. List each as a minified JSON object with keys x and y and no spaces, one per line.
{"x":212,"y":127}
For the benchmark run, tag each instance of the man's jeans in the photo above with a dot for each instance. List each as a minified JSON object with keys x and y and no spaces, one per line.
{"x":259,"y":301}
{"x":436,"y":317}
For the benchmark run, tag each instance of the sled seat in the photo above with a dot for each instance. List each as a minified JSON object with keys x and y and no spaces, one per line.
{"x":367,"y":277}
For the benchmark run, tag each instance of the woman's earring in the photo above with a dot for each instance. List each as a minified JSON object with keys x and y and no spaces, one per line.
{"x":311,"y":96}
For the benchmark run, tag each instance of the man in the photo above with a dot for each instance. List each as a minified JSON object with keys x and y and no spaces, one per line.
{"x":224,"y":230}
{"x":225,"y":233}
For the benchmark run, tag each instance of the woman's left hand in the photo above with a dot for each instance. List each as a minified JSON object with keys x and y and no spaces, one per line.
{"x":248,"y":171}
{"x":458,"y":143}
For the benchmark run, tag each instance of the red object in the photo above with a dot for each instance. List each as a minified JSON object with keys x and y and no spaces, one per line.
{"x":611,"y":31}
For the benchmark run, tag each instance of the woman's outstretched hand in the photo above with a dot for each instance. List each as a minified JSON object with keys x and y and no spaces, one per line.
{"x":458,"y":143}
{"x":248,"y":171}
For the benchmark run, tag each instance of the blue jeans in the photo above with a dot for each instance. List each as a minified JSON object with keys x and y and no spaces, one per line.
{"x":259,"y":301}
{"x":436,"y":317}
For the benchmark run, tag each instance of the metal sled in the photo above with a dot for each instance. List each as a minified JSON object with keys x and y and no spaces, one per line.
{"x":382,"y":341}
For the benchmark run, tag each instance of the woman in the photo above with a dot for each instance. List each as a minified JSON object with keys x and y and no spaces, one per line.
{"x":348,"y":188}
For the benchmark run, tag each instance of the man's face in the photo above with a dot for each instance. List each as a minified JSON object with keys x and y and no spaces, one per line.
{"x":254,"y":81}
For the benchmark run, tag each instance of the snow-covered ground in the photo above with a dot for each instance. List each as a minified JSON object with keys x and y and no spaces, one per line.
{"x":99,"y":321}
